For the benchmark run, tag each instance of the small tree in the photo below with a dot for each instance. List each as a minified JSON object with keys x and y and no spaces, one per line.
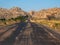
{"x":3,"y":19}
{"x":50,"y":17}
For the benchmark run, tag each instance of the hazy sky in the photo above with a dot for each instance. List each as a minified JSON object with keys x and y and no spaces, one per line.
{"x":30,"y":4}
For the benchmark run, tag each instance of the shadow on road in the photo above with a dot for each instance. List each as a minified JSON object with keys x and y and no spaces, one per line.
{"x":12,"y":37}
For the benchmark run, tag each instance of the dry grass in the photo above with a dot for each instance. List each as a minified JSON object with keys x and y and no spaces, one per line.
{"x":9,"y":22}
{"x":54,"y":24}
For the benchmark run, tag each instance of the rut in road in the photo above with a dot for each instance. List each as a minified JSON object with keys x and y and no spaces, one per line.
{"x":24,"y":38}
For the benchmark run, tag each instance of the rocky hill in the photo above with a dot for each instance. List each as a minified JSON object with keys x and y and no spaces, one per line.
{"x":11,"y":13}
{"x":54,"y":12}
{"x":16,"y":11}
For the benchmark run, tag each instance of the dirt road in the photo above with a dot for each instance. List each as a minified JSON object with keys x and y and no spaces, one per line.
{"x":28,"y":33}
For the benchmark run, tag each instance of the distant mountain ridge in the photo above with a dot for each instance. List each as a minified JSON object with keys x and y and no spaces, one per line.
{"x":16,"y":11}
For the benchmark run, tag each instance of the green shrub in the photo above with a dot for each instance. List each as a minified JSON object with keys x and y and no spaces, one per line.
{"x":51,"y":17}
{"x":3,"y":20}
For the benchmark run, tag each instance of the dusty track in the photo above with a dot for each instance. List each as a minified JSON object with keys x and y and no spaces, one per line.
{"x":28,"y":34}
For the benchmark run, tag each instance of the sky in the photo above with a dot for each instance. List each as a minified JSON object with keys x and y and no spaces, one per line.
{"x":28,"y":5}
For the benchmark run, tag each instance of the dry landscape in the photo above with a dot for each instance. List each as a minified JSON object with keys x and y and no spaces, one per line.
{"x":18,"y":27}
